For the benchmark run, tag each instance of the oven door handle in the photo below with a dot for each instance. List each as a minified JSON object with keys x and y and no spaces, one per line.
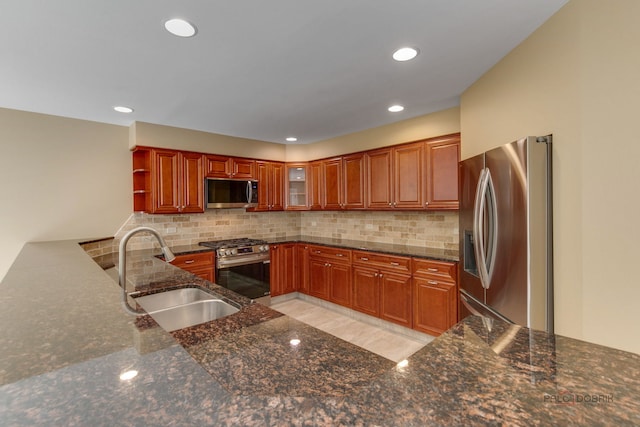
{"x":245,"y":260}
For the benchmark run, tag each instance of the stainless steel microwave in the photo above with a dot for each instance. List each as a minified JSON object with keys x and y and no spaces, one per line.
{"x":230,"y":193}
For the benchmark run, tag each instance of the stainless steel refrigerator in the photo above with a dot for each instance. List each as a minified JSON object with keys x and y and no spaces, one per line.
{"x":506,"y":234}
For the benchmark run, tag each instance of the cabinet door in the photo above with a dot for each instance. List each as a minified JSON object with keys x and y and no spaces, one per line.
{"x":354,"y":181}
{"x":340,"y":284}
{"x":192,"y":191}
{"x":318,"y":278}
{"x":379,"y":184}
{"x":395,"y":298}
{"x":366,"y":291}
{"x":275,"y":271}
{"x":315,"y":185}
{"x":332,"y":189}
{"x":243,"y":168}
{"x":434,"y":305}
{"x":442,"y":173}
{"x":296,"y":186}
{"x":276,"y":188}
{"x":217,"y":166}
{"x":409,"y":176}
{"x":166,"y":193}
{"x":288,"y":267}
{"x":271,"y":189}
{"x":302,"y":268}
{"x":264,"y":180}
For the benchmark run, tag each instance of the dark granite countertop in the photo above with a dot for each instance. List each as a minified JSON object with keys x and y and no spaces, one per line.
{"x":65,"y":340}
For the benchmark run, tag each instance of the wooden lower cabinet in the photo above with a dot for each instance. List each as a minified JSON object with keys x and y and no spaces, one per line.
{"x":330,"y":280}
{"x":412,"y":292}
{"x":283,"y":271}
{"x":366,"y":290}
{"x":318,"y":278}
{"x":382,"y":286}
{"x":200,"y":264}
{"x":435,"y":296}
{"x":395,"y":298}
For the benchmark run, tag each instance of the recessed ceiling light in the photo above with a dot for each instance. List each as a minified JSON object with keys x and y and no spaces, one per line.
{"x":123,"y":109}
{"x":405,"y":54}
{"x":292,"y":139}
{"x":180,"y":27}
{"x":395,"y":108}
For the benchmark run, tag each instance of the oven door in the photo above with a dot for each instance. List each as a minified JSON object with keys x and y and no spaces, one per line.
{"x":247,"y":276}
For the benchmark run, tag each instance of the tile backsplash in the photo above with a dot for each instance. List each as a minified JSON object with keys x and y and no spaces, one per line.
{"x":432,"y":229}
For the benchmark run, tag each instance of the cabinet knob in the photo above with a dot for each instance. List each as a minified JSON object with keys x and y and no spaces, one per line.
{"x":375,"y":274}
{"x":390,"y":204}
{"x":426,"y":203}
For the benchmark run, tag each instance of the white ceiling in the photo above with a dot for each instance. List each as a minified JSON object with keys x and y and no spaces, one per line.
{"x":257,"y":69}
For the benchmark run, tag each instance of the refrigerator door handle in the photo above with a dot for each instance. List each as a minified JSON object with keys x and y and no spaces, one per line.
{"x":478,"y":228}
{"x":492,"y":228}
{"x":485,"y":245}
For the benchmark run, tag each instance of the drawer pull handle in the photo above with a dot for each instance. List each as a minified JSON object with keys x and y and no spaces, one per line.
{"x":432,"y":282}
{"x":317,"y":252}
{"x":432,"y":269}
{"x":364,"y":259}
{"x":339,"y":254}
{"x":190,"y":261}
{"x":395,"y":263}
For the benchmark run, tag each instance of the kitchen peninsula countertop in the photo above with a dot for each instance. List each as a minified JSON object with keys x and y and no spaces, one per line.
{"x":65,"y":340}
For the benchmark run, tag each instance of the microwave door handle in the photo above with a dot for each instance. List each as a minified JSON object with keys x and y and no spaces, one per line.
{"x":249,"y":192}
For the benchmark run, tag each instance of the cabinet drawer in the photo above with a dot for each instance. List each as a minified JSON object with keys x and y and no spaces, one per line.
{"x":435,"y":269}
{"x":375,"y":260}
{"x":190,"y":261}
{"x":335,"y":254}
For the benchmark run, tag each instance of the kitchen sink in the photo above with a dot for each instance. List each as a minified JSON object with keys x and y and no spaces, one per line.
{"x":181,"y":308}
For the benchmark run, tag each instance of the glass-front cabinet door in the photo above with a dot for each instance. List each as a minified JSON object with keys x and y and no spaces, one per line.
{"x":297,"y":186}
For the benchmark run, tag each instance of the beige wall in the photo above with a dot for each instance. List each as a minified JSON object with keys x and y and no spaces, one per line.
{"x":427,"y":126}
{"x":151,"y":135}
{"x":577,"y":77}
{"x":61,"y":179}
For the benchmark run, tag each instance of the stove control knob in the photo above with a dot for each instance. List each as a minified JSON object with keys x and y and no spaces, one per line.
{"x":264,"y":248}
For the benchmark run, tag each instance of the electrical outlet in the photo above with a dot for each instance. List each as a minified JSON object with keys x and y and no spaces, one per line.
{"x":171,"y":230}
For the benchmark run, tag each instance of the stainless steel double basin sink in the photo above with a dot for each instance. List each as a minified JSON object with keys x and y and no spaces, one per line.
{"x":181,"y":308}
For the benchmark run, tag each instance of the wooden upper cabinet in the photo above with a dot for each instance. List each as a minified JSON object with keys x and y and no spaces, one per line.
{"x":379,"y":165}
{"x":177,"y":183}
{"x":332,"y":175}
{"x":343,"y":182}
{"x":316,"y":186}
{"x":408,"y":174}
{"x":230,"y":167}
{"x":271,"y":186}
{"x":192,"y":192}
{"x":353,"y":181}
{"x":395,"y":177}
{"x":442,"y":157}
{"x":297,"y":186}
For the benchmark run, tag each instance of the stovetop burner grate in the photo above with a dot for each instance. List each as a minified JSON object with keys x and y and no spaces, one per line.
{"x":232,"y":243}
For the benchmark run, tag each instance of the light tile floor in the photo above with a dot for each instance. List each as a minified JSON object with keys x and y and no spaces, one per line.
{"x":391,"y":345}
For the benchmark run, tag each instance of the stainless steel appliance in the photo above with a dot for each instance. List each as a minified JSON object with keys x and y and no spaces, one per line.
{"x":231,"y":193}
{"x":242,"y":265}
{"x":506,"y":266}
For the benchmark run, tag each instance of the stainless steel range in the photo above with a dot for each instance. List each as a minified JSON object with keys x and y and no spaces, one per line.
{"x":242,"y":265}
